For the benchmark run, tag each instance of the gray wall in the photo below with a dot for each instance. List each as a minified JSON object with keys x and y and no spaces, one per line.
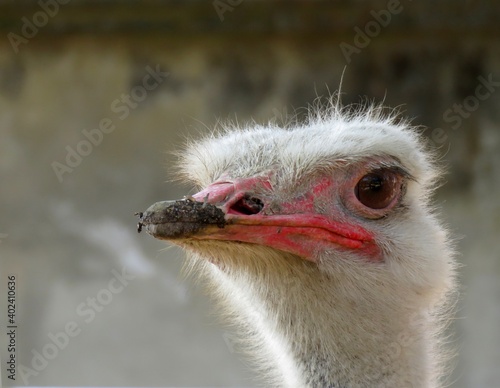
{"x":65,"y":237}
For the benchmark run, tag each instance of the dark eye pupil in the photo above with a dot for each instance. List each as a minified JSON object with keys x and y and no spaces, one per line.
{"x":376,"y":190}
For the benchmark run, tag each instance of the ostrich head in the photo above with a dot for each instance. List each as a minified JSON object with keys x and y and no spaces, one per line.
{"x":320,"y":242}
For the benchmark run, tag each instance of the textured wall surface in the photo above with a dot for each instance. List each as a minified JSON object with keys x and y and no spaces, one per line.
{"x":136,"y":79}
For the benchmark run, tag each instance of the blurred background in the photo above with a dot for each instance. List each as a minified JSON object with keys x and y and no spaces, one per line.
{"x":95,"y":94}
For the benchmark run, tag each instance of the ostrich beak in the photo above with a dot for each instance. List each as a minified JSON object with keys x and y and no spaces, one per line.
{"x":225,"y":211}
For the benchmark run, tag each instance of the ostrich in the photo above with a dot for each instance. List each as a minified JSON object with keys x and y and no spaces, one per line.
{"x":320,"y":243}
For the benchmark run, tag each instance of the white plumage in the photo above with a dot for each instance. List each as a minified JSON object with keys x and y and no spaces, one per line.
{"x":368,"y":312}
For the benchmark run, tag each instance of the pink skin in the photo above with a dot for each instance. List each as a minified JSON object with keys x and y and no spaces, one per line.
{"x":299,"y":230}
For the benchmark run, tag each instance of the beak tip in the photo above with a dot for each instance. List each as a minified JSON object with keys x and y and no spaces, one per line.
{"x":176,"y":219}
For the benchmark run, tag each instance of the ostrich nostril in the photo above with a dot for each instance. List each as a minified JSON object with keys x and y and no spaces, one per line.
{"x":248,"y":205}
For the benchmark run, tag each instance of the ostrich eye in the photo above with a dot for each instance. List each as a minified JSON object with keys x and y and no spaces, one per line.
{"x":378,"y":189}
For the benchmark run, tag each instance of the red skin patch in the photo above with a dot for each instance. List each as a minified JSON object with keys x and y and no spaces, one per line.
{"x":298,"y":230}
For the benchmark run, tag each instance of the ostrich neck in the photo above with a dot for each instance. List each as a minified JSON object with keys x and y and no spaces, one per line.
{"x":323,"y":334}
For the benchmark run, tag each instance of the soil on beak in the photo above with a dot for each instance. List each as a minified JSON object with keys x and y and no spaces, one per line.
{"x":176,"y":219}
